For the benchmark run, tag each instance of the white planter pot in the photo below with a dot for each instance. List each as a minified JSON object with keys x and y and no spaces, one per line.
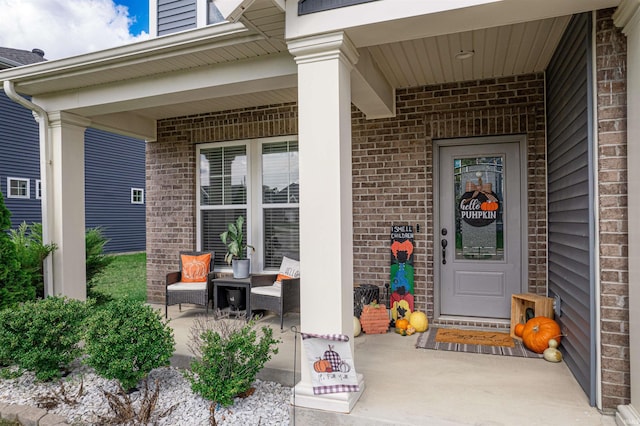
{"x":241,"y":268}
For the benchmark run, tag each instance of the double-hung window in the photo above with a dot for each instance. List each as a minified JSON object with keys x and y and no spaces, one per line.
{"x":257,"y":179}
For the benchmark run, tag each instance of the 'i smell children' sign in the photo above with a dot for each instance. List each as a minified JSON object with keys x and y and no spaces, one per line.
{"x":401,"y":300}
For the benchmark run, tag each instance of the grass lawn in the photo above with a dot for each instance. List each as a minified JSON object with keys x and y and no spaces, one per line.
{"x":125,"y":277}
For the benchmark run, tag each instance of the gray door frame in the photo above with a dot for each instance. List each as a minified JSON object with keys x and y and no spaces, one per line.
{"x":437,"y":255}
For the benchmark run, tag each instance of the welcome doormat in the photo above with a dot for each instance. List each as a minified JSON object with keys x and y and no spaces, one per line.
{"x":481,"y":342}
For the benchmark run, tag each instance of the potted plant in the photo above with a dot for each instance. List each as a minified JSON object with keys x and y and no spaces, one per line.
{"x":236,"y":255}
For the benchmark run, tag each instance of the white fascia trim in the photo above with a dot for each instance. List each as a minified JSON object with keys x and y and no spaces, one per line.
{"x":198,"y":39}
{"x":366,"y":14}
{"x":227,"y":79}
{"x":625,"y":14}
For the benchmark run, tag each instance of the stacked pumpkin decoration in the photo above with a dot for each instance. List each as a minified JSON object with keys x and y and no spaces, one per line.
{"x":539,"y":334}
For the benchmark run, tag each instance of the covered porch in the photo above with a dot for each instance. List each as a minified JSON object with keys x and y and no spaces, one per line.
{"x":353,"y":88}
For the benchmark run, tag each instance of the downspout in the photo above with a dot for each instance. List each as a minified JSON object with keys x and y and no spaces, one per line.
{"x":42,"y":118}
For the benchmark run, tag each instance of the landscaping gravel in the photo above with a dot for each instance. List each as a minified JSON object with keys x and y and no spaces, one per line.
{"x":268,"y":405}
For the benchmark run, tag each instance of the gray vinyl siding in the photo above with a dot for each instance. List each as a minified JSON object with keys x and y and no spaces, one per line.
{"x":113,"y":165}
{"x":571,"y":216}
{"x":310,"y":6}
{"x":176,"y":15}
{"x":19,"y":154}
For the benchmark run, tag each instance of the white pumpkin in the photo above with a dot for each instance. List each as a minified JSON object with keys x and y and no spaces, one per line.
{"x":552,"y":355}
{"x":357,"y":328}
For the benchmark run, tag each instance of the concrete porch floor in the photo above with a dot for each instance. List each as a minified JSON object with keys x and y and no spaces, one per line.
{"x":409,"y":386}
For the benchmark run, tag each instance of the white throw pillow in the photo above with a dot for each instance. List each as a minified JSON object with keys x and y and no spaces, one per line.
{"x":290,"y":267}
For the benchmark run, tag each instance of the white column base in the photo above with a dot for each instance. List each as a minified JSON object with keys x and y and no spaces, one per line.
{"x":627,"y":416}
{"x":342,"y":402}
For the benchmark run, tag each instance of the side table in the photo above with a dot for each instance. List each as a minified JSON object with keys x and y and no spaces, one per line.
{"x":219,"y":296}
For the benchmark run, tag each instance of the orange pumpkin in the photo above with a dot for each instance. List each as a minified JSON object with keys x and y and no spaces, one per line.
{"x":322,"y":366}
{"x":489,"y":206}
{"x":537,"y":332}
{"x":518,"y":329}
{"x":402,"y":324}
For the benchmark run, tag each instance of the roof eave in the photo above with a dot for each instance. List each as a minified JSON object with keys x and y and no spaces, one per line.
{"x":202,"y":38}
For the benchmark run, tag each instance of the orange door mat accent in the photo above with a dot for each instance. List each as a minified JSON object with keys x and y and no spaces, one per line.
{"x":473,"y":337}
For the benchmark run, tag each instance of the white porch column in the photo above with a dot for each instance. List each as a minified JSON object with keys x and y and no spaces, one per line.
{"x":628,"y":17}
{"x":65,"y":204}
{"x":326,"y":209}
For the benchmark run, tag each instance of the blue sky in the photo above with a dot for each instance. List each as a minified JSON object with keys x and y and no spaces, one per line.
{"x":138,"y":9}
{"x":65,"y":28}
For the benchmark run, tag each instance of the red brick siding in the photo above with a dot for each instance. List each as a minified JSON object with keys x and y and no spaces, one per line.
{"x":611,"y":78}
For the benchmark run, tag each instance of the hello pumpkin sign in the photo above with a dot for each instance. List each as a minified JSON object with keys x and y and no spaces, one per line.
{"x":479,"y":205}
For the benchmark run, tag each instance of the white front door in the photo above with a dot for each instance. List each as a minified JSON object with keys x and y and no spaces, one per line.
{"x":479,"y":239}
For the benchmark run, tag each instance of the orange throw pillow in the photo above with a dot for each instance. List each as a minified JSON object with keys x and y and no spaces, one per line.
{"x":195,"y":268}
{"x":283,"y":277}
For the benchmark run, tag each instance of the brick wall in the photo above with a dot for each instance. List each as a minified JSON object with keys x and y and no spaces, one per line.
{"x":393,"y":170}
{"x":171,"y":178}
{"x":612,"y":187}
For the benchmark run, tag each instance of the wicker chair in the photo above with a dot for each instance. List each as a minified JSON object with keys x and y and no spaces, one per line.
{"x":178,"y":292}
{"x":281,"y":300}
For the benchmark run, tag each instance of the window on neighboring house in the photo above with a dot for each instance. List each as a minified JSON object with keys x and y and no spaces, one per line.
{"x":38,"y":189}
{"x":137,"y":196}
{"x":17,"y":188}
{"x":256,"y":179}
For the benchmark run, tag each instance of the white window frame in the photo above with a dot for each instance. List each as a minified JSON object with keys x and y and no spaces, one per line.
{"x":38,"y":189}
{"x":15,"y":179}
{"x":254,"y":204}
{"x":140,"y":191}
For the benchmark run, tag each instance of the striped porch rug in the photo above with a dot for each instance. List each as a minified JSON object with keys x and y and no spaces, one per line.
{"x":428,"y":340}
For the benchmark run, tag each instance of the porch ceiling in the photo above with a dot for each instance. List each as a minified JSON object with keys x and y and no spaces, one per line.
{"x":499,"y":51}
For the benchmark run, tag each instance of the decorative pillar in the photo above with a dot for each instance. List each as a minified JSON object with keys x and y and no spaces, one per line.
{"x":65,"y":204}
{"x":326,"y":203}
{"x":627,"y":17}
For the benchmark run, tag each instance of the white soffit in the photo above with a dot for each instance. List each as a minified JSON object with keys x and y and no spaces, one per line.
{"x":498,"y":51}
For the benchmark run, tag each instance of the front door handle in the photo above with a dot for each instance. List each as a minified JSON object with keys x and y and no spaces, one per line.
{"x":444,"y":243}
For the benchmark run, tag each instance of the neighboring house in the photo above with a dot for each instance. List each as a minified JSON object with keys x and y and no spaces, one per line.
{"x":327,"y":122}
{"x":114,"y":177}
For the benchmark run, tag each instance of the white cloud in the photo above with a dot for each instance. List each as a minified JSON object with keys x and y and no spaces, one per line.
{"x":64,"y":28}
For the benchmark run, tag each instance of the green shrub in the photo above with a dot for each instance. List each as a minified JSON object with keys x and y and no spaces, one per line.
{"x":229,"y":355}
{"x":127,"y":339}
{"x":31,"y":252}
{"x":15,"y":283}
{"x":96,"y":262}
{"x":43,"y":336}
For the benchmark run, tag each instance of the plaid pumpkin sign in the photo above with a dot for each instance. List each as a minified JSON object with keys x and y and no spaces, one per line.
{"x":332,"y":368}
